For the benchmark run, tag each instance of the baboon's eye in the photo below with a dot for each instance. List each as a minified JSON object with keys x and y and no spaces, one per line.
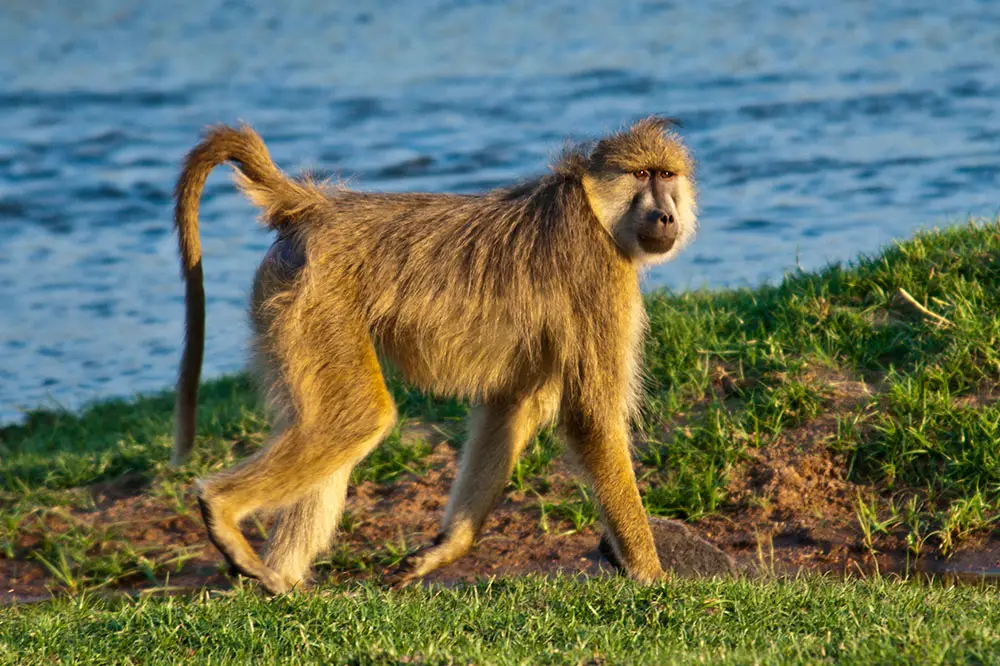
{"x":641,"y":174}
{"x":666,"y":175}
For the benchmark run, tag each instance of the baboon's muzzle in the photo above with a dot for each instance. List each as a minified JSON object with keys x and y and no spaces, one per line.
{"x":659,"y":233}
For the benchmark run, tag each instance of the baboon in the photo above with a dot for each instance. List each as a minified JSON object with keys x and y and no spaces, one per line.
{"x":524,"y":300}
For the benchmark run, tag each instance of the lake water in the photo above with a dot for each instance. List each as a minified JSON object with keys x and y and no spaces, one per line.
{"x":821,"y":129}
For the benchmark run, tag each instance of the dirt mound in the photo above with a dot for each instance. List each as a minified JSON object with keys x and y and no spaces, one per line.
{"x":790,"y":503}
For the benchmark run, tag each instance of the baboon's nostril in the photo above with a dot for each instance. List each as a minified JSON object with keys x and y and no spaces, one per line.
{"x":666,"y":218}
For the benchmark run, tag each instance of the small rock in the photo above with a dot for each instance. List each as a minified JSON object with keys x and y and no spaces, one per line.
{"x":680,"y":550}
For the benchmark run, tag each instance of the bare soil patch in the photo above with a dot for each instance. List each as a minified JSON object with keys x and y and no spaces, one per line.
{"x":791,"y":505}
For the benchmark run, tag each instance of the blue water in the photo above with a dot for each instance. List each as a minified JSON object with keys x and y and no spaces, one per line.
{"x":821,"y":129}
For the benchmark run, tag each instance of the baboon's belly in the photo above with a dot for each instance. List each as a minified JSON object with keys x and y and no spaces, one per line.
{"x":474,"y":365}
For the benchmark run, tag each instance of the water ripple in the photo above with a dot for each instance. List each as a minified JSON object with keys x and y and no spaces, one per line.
{"x":818,"y":135}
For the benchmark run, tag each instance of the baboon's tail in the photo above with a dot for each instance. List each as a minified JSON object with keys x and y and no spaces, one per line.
{"x":266,"y":186}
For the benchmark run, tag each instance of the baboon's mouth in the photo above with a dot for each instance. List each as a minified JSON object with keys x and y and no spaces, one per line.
{"x":656,"y":244}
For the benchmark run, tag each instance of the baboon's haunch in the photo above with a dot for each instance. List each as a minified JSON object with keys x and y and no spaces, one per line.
{"x":524,"y":300}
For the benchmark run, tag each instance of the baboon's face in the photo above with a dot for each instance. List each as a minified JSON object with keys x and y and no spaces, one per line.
{"x":648,"y":212}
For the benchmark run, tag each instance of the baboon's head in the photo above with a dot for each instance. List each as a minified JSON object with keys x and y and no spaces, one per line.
{"x":640,"y":185}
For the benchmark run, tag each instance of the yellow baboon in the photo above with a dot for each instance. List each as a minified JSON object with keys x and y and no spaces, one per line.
{"x":524,"y":300}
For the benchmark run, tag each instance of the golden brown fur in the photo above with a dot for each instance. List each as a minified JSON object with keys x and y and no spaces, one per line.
{"x":524,"y":300}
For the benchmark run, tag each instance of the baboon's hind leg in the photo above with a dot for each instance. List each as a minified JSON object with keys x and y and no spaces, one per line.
{"x":499,"y":434}
{"x":306,"y":528}
{"x":343,"y":410}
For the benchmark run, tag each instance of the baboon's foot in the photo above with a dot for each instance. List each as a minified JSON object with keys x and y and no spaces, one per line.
{"x":293,"y":577}
{"x":415,"y":566}
{"x":405,"y":574}
{"x":444,"y":550}
{"x":286,"y":584}
{"x":226,"y":537}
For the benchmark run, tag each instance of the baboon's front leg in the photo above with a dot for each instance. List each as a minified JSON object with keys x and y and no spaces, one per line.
{"x":499,"y":434}
{"x":601,"y":444}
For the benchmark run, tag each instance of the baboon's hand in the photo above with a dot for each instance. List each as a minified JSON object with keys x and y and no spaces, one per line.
{"x":605,"y":549}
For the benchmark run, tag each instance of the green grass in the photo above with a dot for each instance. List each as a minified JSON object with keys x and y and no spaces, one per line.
{"x":525,"y":621}
{"x":932,"y":425}
{"x":728,"y":371}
